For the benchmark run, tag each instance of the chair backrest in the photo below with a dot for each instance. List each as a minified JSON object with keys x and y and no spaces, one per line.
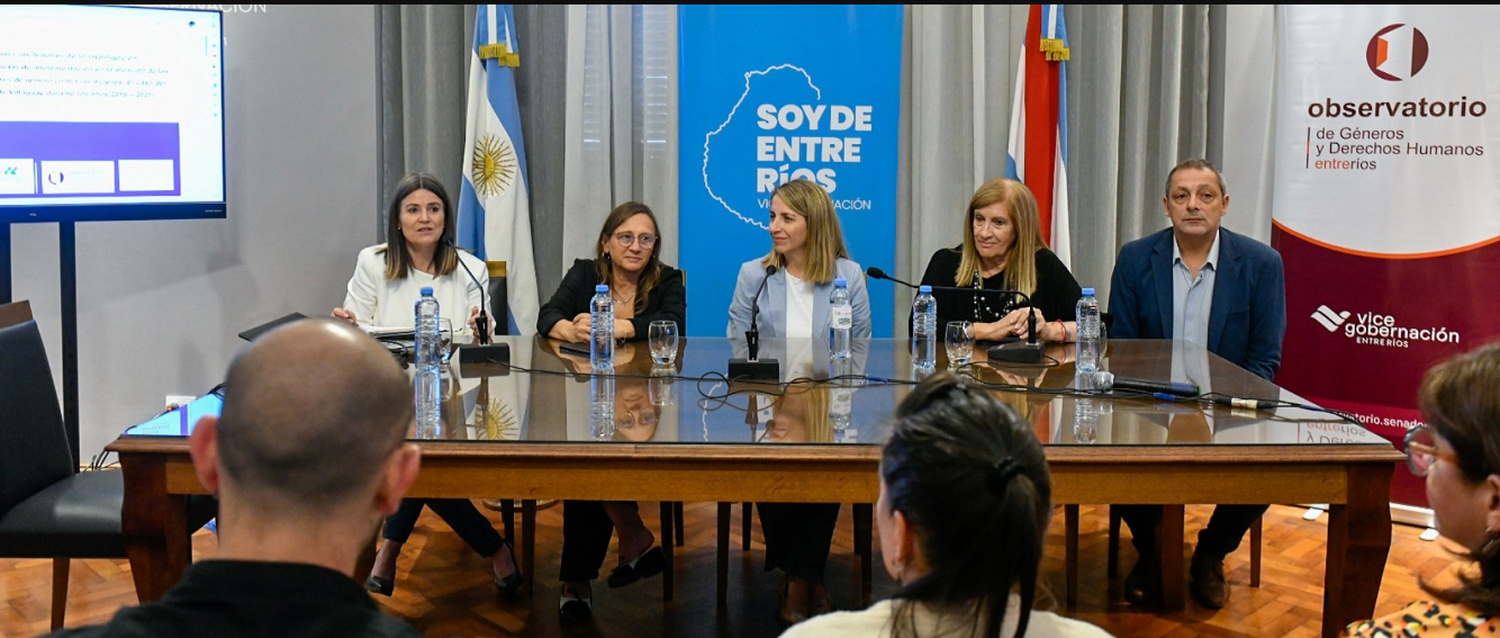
{"x":499,"y":302}
{"x":33,"y":443}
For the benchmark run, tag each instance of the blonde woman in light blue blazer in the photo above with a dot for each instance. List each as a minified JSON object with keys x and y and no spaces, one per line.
{"x":808,"y":253}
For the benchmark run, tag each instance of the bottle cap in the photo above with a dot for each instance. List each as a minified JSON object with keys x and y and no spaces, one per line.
{"x":924,"y":289}
{"x":1088,"y":292}
{"x":601,"y":288}
{"x":840,"y":282}
{"x":427,"y":291}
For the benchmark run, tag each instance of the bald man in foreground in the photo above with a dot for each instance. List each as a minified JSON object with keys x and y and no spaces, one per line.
{"x":306,"y":459}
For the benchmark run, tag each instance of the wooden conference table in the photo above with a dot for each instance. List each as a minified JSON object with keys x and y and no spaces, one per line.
{"x":546,"y":429}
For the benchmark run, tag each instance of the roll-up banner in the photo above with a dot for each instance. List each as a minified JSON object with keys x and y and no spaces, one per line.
{"x":772,"y":93}
{"x":1387,"y":202}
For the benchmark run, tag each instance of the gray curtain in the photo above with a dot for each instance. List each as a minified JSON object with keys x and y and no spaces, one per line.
{"x":423,"y":82}
{"x":621,"y":132}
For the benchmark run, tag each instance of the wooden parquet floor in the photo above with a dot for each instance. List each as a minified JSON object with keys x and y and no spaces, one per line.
{"x":444,"y":589}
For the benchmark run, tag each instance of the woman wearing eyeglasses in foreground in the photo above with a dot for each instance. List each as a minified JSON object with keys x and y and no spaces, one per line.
{"x":627,"y":258}
{"x":965,"y":499}
{"x":1458,"y":451}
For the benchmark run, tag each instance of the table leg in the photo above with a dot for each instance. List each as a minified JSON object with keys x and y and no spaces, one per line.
{"x":724,"y":553}
{"x":1169,"y":548}
{"x":864,"y":523}
{"x":1359,"y":540}
{"x":1070,"y":552}
{"x":668,"y":531}
{"x":154,"y":524}
{"x":528,"y":543}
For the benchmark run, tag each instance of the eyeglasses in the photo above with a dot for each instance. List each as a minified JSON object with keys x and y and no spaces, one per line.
{"x":626,"y":239}
{"x":628,"y":420}
{"x":1422,"y":451}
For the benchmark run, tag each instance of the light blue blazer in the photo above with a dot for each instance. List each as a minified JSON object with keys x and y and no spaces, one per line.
{"x":772,"y":321}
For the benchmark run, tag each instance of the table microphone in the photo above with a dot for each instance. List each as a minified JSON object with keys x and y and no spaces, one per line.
{"x":1106,"y":381}
{"x":1247,"y":404}
{"x":483,"y":351}
{"x":753,"y":368}
{"x":1028,"y":351}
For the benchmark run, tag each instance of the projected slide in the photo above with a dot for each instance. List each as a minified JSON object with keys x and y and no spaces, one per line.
{"x":110,"y":105}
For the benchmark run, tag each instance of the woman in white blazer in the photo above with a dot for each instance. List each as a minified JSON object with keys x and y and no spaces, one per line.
{"x":807,"y":253}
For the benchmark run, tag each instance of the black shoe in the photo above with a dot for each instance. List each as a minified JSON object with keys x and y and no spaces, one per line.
{"x":377,"y":585}
{"x":648,"y":564}
{"x":510,"y":585}
{"x":1209,"y":587}
{"x":573,"y":609}
{"x":1143,"y":582}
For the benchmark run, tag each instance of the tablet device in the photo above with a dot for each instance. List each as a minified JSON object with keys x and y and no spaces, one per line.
{"x":253,"y":333}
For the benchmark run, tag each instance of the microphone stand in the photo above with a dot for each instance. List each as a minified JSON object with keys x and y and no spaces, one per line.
{"x":753,"y":368}
{"x":1028,"y":351}
{"x":482,"y":352}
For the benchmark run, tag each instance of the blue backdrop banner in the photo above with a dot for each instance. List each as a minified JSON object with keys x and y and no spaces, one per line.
{"x":771,"y":93}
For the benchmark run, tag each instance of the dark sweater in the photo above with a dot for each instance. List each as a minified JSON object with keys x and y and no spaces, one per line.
{"x":230,"y":599}
{"x":668,"y":300}
{"x":1056,"y":295}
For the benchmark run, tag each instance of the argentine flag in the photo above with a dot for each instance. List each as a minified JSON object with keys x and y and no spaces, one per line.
{"x":1038,"y":154}
{"x":493,"y":208}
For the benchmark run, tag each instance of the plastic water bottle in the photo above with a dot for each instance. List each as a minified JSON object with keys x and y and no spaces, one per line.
{"x":840,"y":320}
{"x":1085,"y":412}
{"x":924,"y":330}
{"x":429,"y":359}
{"x":602,"y":330}
{"x":602,"y":406}
{"x":1090,"y":340}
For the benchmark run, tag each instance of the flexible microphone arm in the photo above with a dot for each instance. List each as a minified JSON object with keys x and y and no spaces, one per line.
{"x":752,"y":336}
{"x":482,"y":322}
{"x":753,"y":369}
{"x":1031,"y":336}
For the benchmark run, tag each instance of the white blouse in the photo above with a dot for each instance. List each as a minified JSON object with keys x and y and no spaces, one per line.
{"x":377,"y":302}
{"x":876,"y":621}
{"x":800,"y":296}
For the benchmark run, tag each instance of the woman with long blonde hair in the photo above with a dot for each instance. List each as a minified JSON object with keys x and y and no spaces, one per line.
{"x":807,"y":257}
{"x":1003,"y":249}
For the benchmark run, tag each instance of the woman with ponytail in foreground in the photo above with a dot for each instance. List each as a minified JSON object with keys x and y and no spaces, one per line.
{"x":965,"y":499}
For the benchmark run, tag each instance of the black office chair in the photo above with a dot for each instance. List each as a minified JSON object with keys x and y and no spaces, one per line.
{"x":48,"y":509}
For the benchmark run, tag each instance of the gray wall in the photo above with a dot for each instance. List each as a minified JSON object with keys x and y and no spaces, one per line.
{"x":160,"y":303}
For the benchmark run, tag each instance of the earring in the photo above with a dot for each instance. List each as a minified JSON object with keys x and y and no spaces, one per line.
{"x":1491,"y":546}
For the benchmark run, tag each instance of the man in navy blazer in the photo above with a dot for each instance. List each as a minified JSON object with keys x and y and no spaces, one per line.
{"x":1201,"y":283}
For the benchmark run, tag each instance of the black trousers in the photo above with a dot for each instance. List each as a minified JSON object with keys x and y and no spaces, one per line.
{"x":586,"y":533}
{"x":798,"y":537}
{"x":459,"y":513}
{"x":1225,"y":528}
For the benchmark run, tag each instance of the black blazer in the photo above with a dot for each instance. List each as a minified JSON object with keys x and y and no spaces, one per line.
{"x":668,"y":300}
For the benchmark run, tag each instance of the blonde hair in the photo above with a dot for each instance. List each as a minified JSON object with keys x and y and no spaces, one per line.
{"x":825,"y":238}
{"x":1020,"y":260}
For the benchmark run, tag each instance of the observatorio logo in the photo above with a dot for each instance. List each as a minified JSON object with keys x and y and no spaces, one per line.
{"x":1397,"y":52}
{"x":1375,"y":329}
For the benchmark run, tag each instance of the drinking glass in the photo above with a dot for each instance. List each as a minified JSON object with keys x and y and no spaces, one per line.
{"x":445,"y":337}
{"x":663,"y":338}
{"x":960,"y":343}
